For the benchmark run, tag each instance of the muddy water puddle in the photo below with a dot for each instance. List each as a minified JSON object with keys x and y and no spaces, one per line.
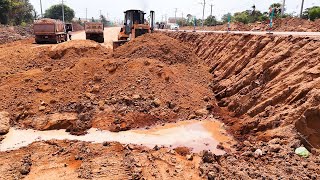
{"x":197,"y":135}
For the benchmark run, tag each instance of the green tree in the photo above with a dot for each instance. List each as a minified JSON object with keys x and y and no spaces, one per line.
{"x":15,"y":12}
{"x":55,"y":12}
{"x":312,"y":13}
{"x":225,"y":18}
{"x":277,"y":9}
{"x":210,"y":21}
{"x":242,"y":17}
{"x":104,"y":21}
{"x":4,"y":11}
{"x":182,"y":22}
{"x":22,"y":12}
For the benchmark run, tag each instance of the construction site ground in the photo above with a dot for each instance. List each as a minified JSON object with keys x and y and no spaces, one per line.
{"x":247,"y":101}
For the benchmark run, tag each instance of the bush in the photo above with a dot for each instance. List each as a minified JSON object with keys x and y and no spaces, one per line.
{"x":312,"y":13}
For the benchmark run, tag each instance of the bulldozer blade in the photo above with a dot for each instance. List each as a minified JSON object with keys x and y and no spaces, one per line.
{"x":117,"y":44}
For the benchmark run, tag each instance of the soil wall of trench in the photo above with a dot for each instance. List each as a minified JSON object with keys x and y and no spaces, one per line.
{"x":270,"y":84}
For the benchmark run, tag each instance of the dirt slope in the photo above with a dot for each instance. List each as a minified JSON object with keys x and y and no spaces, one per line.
{"x":270,"y":83}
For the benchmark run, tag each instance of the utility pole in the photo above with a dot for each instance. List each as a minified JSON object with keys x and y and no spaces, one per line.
{"x":41,"y":9}
{"x":301,"y":8}
{"x":175,"y":15}
{"x":86,"y":14}
{"x":182,"y":20}
{"x":211,"y":14}
{"x":166,"y":18}
{"x":62,"y":12}
{"x":282,"y":8}
{"x":204,"y":7}
{"x":100,"y":16}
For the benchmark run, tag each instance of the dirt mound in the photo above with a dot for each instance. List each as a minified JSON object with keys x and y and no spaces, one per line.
{"x":10,"y":33}
{"x":109,"y":93}
{"x":77,"y":48}
{"x":77,"y":26}
{"x":266,"y":81}
{"x":156,"y":46}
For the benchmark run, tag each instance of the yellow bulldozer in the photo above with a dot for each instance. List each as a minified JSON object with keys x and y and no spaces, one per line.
{"x":134,"y":25}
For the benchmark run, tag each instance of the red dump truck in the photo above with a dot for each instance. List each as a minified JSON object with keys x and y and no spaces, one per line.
{"x":94,"y":31}
{"x":49,"y":31}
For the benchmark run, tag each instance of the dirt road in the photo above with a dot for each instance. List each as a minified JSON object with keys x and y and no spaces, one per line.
{"x":110,"y":35}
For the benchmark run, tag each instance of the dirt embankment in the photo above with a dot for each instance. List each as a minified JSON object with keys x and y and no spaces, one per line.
{"x":270,"y":83}
{"x":284,"y":24}
{"x":134,"y":87}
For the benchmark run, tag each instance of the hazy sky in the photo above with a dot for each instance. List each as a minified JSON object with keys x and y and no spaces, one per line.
{"x":114,"y":9}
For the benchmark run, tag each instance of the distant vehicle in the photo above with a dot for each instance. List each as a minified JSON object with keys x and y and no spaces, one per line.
{"x":174,"y":27}
{"x":69,"y":27}
{"x":94,"y":31}
{"x":49,"y":31}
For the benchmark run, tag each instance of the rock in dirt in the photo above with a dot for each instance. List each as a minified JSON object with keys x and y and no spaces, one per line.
{"x":42,"y":108}
{"x":258,"y":153}
{"x":274,"y":148}
{"x":211,"y":175}
{"x":4,"y":123}
{"x":25,"y":169}
{"x":209,"y":157}
{"x":189,"y":157}
{"x":202,"y":112}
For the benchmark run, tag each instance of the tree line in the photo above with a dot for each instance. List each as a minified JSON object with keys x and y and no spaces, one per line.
{"x":251,"y":15}
{"x":21,"y":12}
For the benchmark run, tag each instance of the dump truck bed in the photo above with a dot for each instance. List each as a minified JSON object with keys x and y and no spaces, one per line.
{"x":95,"y":31}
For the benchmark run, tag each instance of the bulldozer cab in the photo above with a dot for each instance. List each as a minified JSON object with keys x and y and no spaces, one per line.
{"x":133,"y":17}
